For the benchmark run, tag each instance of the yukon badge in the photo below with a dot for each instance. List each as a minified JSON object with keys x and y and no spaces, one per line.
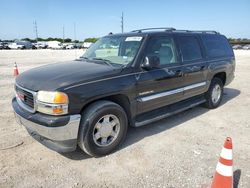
{"x":146,"y":92}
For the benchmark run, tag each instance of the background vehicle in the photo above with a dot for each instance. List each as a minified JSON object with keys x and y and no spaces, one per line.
{"x":237,"y":47}
{"x":86,"y":44}
{"x":54,"y":45}
{"x":70,"y":46}
{"x":5,"y":45}
{"x":14,"y":45}
{"x":21,"y":45}
{"x":246,"y":47}
{"x":124,"y":79}
{"x":40,"y":45}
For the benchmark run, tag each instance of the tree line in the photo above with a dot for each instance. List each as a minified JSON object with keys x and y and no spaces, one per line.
{"x":241,"y":41}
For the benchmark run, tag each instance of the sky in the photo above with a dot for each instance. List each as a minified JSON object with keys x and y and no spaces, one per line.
{"x":96,"y":18}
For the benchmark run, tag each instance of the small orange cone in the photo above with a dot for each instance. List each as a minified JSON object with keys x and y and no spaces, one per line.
{"x":223,"y":177}
{"x":15,"y":70}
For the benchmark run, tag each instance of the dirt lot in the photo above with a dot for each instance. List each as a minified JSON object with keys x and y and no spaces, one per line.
{"x":181,"y":151}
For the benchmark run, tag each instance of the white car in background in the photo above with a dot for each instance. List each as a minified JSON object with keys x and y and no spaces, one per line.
{"x":54,"y":45}
{"x":70,"y":46}
{"x":41,"y":45}
{"x":21,"y":45}
{"x":246,"y":47}
{"x":86,"y":44}
{"x":237,"y":47}
{"x":15,"y":46}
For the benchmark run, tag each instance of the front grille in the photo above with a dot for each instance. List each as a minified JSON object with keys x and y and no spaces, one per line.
{"x":25,"y":96}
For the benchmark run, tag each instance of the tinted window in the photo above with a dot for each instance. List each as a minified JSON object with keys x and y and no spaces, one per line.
{"x":216,"y":46}
{"x":163,"y":49}
{"x":190,"y":48}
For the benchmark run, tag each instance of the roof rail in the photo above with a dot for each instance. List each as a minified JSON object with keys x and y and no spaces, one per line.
{"x":155,"y":28}
{"x":198,"y":31}
{"x":171,"y":29}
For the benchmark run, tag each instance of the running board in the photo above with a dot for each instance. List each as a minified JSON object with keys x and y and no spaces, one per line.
{"x":169,"y":110}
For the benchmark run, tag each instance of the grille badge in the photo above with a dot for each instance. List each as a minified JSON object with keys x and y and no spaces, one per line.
{"x":20,"y":96}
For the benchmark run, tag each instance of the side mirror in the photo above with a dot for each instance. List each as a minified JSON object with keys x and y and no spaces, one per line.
{"x":150,"y":62}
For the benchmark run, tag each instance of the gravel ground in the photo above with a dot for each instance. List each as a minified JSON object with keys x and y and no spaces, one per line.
{"x":180,"y":151}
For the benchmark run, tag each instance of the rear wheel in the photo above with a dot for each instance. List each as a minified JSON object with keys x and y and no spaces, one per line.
{"x":214,"y":94}
{"x":103,"y":128}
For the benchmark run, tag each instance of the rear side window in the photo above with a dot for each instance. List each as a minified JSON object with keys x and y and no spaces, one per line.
{"x":217,"y":46}
{"x":190,"y":48}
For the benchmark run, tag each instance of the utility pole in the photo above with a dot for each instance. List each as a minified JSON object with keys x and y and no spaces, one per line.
{"x":35,"y":30}
{"x":63,"y":33}
{"x":74,"y":31}
{"x":122,"y":23}
{"x":75,"y":38}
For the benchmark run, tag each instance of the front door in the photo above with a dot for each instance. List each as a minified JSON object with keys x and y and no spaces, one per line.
{"x":160,"y":86}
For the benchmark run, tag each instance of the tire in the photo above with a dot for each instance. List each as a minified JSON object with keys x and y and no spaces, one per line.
{"x":92,"y":123}
{"x":211,"y":100}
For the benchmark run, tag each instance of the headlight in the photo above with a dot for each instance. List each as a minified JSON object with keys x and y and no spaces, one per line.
{"x":54,"y":103}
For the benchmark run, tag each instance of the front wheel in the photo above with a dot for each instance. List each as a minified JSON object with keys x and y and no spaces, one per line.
{"x":103,"y":128}
{"x":214,"y":94}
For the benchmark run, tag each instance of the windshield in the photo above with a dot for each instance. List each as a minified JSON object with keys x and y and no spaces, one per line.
{"x":119,"y":50}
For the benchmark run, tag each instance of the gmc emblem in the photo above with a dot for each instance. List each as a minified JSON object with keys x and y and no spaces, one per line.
{"x":20,"y":96}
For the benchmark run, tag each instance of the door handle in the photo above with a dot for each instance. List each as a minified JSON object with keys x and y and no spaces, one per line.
{"x":179,"y":73}
{"x":203,"y":67}
{"x":196,"y":68}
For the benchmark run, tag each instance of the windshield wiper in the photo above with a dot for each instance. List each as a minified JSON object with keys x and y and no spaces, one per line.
{"x":106,"y":61}
{"x":82,"y":57}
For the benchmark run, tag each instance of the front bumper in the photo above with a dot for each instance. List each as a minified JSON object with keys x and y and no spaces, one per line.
{"x":58,"y":133}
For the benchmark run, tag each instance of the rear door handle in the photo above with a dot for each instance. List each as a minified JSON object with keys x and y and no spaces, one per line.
{"x":196,"y":68}
{"x":179,"y":73}
{"x":203,"y":67}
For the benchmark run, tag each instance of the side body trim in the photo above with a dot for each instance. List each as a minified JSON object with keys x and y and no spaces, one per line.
{"x":171,"y":92}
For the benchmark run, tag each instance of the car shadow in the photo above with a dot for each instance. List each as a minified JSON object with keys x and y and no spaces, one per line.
{"x":136,"y":134}
{"x":78,"y":154}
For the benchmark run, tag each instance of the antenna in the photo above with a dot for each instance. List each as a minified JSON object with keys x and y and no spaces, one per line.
{"x":122,"y":23}
{"x":35,"y":30}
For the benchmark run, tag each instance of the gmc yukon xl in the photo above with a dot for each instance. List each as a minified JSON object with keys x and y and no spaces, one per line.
{"x":133,"y":79}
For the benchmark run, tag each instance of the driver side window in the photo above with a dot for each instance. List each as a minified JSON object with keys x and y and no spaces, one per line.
{"x":163,"y":49}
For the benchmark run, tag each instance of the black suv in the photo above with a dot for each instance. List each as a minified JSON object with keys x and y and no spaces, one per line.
{"x":133,"y":79}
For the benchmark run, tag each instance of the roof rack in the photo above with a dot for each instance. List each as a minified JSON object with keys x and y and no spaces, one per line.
{"x":198,"y":31}
{"x":155,"y":28}
{"x":171,"y":29}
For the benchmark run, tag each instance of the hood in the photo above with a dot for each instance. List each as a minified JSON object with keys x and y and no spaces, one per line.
{"x":59,"y":75}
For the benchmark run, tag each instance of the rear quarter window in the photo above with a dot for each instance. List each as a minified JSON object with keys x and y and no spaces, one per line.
{"x":216,"y":46}
{"x":190,"y":48}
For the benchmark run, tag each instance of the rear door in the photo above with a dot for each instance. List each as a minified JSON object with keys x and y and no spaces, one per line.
{"x":161,"y":86}
{"x":193,"y":63}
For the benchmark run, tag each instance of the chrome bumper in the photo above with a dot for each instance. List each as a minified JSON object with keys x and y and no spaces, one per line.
{"x":61,"y":138}
{"x":58,"y":133}
{"x":62,"y":133}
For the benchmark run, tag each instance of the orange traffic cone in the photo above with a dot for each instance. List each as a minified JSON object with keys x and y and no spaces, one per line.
{"x":15,"y":70}
{"x":223,"y":177}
